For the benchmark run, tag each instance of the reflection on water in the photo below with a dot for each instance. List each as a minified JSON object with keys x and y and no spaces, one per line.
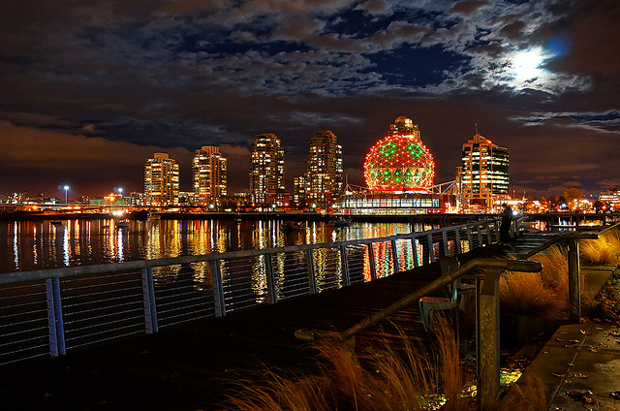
{"x":33,"y":245}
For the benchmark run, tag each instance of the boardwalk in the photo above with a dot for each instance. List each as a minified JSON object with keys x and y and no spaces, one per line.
{"x":189,"y":367}
{"x":186,"y":368}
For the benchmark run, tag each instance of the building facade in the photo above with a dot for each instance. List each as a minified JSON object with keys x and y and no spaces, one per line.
{"x":266,"y":170}
{"x":161,"y":181}
{"x":324,"y":177}
{"x":484,"y":173}
{"x":210,"y":174}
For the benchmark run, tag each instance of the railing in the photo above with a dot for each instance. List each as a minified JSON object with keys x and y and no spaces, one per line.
{"x":571,"y":240}
{"x":487,"y":319}
{"x":487,"y":307}
{"x":48,"y":312}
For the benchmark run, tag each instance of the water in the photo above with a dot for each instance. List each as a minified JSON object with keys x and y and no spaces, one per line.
{"x":31,"y":245}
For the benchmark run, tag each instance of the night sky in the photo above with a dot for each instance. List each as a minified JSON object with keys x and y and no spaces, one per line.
{"x":91,"y":89}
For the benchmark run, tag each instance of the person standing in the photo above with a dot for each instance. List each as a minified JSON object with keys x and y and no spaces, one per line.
{"x":504,"y":229}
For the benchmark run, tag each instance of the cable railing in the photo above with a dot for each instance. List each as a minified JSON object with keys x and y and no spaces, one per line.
{"x":487,"y":306}
{"x":49,"y":312}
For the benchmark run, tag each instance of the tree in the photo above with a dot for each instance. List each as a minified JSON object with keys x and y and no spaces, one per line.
{"x":572,"y":194}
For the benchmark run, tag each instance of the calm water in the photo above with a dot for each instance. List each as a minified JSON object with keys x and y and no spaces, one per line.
{"x":30,"y":245}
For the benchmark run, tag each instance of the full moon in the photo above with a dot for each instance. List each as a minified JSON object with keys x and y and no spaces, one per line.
{"x":526,"y":66}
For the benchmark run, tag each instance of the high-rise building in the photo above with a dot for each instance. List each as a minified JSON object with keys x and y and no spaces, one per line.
{"x":210,"y":170}
{"x":266,"y":169}
{"x":299,"y":190}
{"x":484,"y":172}
{"x":161,"y":180}
{"x":325,"y":175}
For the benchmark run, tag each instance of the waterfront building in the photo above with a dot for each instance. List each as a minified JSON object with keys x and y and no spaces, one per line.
{"x":610,"y":197}
{"x":299,"y":191}
{"x":399,"y":172}
{"x":209,"y":169}
{"x":324,"y":178}
{"x":484,"y":171}
{"x":161,"y":181}
{"x":266,"y":171}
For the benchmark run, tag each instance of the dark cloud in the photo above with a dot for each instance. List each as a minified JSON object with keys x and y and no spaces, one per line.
{"x":85,"y":81}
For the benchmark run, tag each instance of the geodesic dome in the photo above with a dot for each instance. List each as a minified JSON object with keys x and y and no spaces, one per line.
{"x":399,"y":162}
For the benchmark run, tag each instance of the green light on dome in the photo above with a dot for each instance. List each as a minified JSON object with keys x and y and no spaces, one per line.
{"x":415,"y":150}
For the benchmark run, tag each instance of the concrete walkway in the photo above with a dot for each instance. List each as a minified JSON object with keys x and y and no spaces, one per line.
{"x":578,"y":368}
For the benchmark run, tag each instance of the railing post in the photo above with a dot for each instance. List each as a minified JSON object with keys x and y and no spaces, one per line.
{"x":470,"y":245}
{"x":371,"y":260}
{"x":489,"y":240}
{"x":479,"y":231}
{"x":488,"y":358}
{"x":414,"y":249}
{"x":574,"y":285}
{"x":148,"y":297}
{"x":54,"y":317}
{"x":444,"y":239}
{"x":395,"y":257}
{"x":312,"y":273}
{"x":431,"y":249}
{"x":218,"y":289}
{"x":345,"y":265}
{"x":272,"y":296}
{"x":457,"y":240}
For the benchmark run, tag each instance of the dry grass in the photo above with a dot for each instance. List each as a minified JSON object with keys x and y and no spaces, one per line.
{"x":543,"y":294}
{"x":528,"y":395}
{"x":403,"y":378}
{"x":603,"y":251}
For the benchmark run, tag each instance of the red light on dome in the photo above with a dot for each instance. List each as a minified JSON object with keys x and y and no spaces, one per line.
{"x":399,"y":162}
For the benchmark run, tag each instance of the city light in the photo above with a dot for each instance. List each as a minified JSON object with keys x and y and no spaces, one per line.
{"x":66,"y":194}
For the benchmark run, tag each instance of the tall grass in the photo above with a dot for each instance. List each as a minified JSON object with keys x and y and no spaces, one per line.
{"x":543,"y":294}
{"x":604,"y":251}
{"x":528,"y":395}
{"x":406,"y":377}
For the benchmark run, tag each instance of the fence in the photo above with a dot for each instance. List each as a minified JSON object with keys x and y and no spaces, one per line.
{"x":47,"y":312}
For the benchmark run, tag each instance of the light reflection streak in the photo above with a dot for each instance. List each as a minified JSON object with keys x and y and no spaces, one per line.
{"x":16,"y":246}
{"x":35,"y":254}
{"x":66,"y":251}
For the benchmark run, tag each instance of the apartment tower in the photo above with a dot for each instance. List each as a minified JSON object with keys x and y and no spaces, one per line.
{"x":324,"y":177}
{"x":210,"y":170}
{"x":161,"y":180}
{"x":266,"y":169}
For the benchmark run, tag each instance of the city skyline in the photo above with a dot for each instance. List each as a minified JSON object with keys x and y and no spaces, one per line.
{"x":91,"y":91}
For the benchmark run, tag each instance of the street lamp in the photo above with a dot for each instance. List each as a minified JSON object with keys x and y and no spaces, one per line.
{"x":66,"y":194}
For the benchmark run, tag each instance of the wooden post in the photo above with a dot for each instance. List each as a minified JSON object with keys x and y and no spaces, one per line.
{"x":488,"y":358}
{"x":574,"y":285}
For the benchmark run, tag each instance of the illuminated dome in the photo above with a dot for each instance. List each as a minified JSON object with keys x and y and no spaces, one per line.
{"x":400,"y":161}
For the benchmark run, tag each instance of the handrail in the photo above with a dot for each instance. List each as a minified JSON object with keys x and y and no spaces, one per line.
{"x":444,"y":280}
{"x":487,"y":319}
{"x":574,"y":284}
{"x":63,"y":272}
{"x":146,"y":296}
{"x":557,"y":239}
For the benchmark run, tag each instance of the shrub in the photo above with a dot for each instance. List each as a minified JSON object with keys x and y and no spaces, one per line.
{"x":544,"y":294}
{"x":605,"y":250}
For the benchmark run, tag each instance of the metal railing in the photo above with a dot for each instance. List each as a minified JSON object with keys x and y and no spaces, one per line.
{"x":571,"y":241}
{"x":48,"y":312}
{"x":487,"y":307}
{"x":487,"y":319}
